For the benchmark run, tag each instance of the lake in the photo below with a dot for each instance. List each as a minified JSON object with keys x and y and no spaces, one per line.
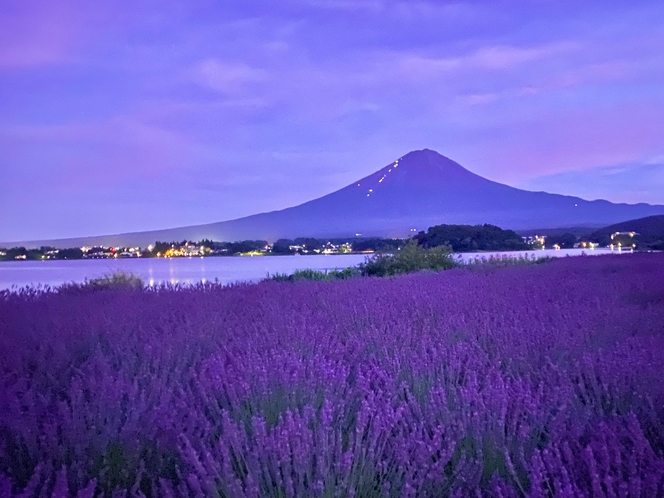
{"x":192,"y":270}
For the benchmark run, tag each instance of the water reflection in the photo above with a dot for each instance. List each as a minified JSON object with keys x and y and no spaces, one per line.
{"x":193,"y":270}
{"x":173,"y":270}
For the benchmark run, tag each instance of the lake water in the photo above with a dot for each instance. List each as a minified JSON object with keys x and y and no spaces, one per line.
{"x":193,"y":270}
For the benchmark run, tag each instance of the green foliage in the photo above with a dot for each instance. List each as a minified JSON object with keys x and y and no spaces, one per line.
{"x":308,"y":242}
{"x":217,"y":248}
{"x":410,"y":258}
{"x":238,"y":247}
{"x":19,"y":253}
{"x":468,"y":238}
{"x":525,"y":260}
{"x":162,"y":247}
{"x":377,"y":244}
{"x":316,"y":275}
{"x":73,"y":253}
{"x":282,"y":246}
{"x":116,"y":280}
{"x":648,"y":233}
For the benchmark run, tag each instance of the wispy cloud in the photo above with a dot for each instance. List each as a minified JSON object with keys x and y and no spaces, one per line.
{"x":227,"y":77}
{"x":346,"y":5}
{"x":505,"y":57}
{"x":479,"y":99}
{"x":486,"y":58}
{"x":631,"y":182}
{"x":309,"y":95}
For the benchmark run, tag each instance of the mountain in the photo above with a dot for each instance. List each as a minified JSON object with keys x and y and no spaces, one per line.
{"x":413,"y":193}
{"x":648,"y":232}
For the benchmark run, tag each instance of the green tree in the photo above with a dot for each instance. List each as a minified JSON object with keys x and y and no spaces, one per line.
{"x":409,"y":258}
{"x":282,"y":246}
{"x":73,"y":253}
{"x":467,"y":238}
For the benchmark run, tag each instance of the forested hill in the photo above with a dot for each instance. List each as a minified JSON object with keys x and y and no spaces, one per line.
{"x":648,"y":232}
{"x":465,"y":238}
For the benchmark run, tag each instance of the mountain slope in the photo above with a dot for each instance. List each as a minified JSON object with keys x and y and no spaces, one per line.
{"x":649,"y":232}
{"x":649,"y":226}
{"x":419,"y":190}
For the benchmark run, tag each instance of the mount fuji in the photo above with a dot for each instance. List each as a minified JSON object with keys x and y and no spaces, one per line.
{"x":420,"y":189}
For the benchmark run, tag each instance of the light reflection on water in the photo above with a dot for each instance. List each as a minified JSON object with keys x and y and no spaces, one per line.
{"x":176,"y":270}
{"x":192,"y":270}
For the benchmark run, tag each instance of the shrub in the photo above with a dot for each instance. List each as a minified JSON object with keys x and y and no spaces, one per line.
{"x":492,"y":261}
{"x":316,"y":275}
{"x":118,"y":280}
{"x":409,"y":259}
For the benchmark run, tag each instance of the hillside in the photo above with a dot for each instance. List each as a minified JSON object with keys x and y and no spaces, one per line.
{"x":417,"y":191}
{"x":648,"y":232}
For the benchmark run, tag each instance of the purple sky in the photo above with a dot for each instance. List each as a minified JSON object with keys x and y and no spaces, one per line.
{"x":124,"y":116}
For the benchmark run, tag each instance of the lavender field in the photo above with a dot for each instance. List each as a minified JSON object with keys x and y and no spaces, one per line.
{"x":525,"y":381}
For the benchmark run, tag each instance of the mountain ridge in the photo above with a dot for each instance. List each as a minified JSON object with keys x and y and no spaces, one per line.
{"x":420,"y":189}
{"x":650,"y":225}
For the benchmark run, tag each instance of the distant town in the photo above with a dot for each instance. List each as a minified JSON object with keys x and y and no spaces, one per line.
{"x":459,"y":238}
{"x":191,"y":249}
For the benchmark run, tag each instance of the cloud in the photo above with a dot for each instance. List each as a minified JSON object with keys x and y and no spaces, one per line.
{"x":227,"y":77}
{"x":346,"y":5}
{"x":631,"y":182}
{"x":486,"y":58}
{"x":75,"y":157}
{"x":655,"y":160}
{"x":479,"y":99}
{"x":311,"y":94}
{"x":505,"y":57}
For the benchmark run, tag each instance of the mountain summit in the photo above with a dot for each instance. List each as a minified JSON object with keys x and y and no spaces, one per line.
{"x":416,"y":191}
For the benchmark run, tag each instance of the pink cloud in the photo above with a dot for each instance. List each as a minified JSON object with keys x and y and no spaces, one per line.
{"x":572,"y":140}
{"x":111,"y":152}
{"x":505,"y":57}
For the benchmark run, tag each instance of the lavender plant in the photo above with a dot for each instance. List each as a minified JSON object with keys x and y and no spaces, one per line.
{"x":520,"y":381}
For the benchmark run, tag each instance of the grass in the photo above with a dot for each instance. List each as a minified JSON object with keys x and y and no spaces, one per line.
{"x":411,"y":258}
{"x":316,"y":275}
{"x":117,"y":280}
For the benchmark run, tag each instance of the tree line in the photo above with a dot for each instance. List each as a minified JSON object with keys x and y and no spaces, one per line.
{"x":457,"y":238}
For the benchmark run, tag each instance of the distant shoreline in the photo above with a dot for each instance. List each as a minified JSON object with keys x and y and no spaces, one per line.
{"x":245,"y":256}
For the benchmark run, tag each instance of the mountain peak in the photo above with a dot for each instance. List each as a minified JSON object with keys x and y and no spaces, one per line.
{"x":425,"y":152}
{"x":425,"y":155}
{"x":426,"y":166}
{"x":420,"y":189}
